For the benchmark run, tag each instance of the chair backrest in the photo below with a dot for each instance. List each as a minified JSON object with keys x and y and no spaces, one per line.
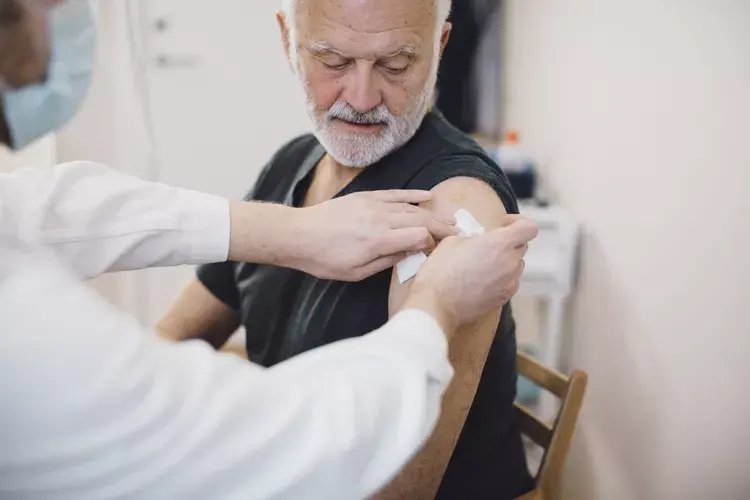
{"x":555,"y":440}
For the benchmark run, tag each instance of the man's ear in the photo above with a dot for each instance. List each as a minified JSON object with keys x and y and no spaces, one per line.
{"x":284,"y":29}
{"x":445,"y":36}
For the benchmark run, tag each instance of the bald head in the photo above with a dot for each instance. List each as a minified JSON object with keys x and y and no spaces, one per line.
{"x":440,"y":9}
{"x":368,"y":68}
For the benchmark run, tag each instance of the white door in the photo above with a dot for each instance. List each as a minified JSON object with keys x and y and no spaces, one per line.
{"x":222,"y":100}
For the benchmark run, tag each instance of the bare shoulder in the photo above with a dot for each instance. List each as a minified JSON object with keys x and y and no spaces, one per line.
{"x":471,"y":194}
{"x":468,"y":350}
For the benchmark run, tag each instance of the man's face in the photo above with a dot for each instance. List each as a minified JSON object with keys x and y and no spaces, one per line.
{"x":368,"y":68}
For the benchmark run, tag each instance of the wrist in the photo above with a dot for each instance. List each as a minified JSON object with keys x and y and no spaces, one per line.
{"x":426,"y":299}
{"x":262,"y":233}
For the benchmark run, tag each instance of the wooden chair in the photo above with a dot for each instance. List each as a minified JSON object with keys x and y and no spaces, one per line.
{"x":554,"y":440}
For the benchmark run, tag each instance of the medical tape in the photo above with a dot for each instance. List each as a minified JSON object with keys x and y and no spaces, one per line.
{"x":467,"y":226}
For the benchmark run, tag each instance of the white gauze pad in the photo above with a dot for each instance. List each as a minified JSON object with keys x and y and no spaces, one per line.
{"x":467,"y":225}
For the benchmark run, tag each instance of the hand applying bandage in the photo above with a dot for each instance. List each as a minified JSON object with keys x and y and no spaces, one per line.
{"x":346,"y":239}
{"x":466,"y":224}
{"x":466,"y":277}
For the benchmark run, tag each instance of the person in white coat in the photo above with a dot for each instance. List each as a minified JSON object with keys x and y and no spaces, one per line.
{"x":92,"y":405}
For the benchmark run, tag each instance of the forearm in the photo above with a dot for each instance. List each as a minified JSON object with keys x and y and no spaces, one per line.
{"x":99,"y":220}
{"x":179,"y":413}
{"x":263,"y":233}
{"x":198,"y":314}
{"x":421,"y":478}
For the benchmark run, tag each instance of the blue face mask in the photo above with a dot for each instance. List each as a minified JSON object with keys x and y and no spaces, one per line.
{"x":36,"y":110}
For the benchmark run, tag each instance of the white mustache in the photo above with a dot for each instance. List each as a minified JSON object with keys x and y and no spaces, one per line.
{"x":343,"y":111}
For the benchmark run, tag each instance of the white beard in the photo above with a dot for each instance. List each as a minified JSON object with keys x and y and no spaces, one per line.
{"x":359,"y":150}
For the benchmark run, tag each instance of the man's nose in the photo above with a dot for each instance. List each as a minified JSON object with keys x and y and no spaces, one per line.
{"x":361,"y":91}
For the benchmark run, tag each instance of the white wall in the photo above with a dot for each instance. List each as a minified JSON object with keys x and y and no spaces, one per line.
{"x":215,"y":124}
{"x":109,"y":129}
{"x":40,"y":154}
{"x":640,"y":114}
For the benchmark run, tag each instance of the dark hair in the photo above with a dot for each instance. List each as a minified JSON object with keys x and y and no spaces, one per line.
{"x":11,"y":12}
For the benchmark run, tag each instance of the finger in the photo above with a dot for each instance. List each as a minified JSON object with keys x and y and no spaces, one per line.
{"x":521,"y":250}
{"x":423,"y":218}
{"x":510,"y":219}
{"x":412,"y":209}
{"x":406,"y":239}
{"x":401,"y":195}
{"x":519,"y":233}
{"x":380,"y":264}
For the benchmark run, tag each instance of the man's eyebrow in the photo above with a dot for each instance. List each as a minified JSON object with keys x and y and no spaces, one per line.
{"x":322,"y":48}
{"x":409,"y":51}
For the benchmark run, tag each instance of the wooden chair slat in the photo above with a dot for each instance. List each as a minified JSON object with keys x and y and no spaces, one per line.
{"x":530,"y":426}
{"x":555,"y":440}
{"x":555,"y":382}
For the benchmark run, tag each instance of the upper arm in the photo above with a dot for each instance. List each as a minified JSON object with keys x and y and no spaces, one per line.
{"x":473,"y":195}
{"x":468,"y":349}
{"x":198,"y":314}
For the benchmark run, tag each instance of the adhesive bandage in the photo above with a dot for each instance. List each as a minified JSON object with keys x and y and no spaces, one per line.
{"x":467,"y":225}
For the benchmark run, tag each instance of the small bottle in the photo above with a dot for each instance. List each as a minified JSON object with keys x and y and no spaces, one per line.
{"x":509,"y":155}
{"x":517,"y":165}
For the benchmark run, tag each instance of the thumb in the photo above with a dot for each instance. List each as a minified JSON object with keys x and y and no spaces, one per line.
{"x":518,"y":233}
{"x":510,"y":219}
{"x":523,"y":231}
{"x":429,"y":246}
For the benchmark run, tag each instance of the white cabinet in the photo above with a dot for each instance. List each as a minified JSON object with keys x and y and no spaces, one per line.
{"x":550,"y":277}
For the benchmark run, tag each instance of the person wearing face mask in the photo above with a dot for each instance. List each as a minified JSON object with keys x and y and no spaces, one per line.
{"x":94,"y":406}
{"x":53,"y":92}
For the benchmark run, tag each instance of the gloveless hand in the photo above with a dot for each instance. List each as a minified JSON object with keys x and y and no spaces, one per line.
{"x":356,"y":236}
{"x":467,"y":277}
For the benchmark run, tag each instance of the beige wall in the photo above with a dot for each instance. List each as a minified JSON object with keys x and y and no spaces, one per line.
{"x":640,"y":114}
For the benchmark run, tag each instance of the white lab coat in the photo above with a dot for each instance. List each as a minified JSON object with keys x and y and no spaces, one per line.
{"x":93,"y":406}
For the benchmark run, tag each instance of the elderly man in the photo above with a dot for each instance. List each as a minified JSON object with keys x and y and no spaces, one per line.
{"x":368,"y":68}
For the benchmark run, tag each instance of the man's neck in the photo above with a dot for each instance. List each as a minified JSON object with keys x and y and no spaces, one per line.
{"x":330,"y":177}
{"x":338,"y":175}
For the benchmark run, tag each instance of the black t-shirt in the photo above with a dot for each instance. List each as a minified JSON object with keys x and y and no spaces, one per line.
{"x":287,"y":312}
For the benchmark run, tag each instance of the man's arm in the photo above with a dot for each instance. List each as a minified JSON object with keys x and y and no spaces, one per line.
{"x":468,"y":349}
{"x":198,"y":314}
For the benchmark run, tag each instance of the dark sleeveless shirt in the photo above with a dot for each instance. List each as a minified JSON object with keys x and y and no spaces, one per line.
{"x":287,"y":312}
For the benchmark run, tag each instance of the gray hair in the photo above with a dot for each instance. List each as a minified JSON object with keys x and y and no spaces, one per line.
{"x":443,"y":11}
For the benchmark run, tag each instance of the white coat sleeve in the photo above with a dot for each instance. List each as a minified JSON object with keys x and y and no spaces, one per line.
{"x":92,"y":406}
{"x":100,"y":220}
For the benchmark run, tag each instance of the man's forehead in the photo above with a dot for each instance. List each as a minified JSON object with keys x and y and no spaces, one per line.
{"x":366,"y":28}
{"x":366,"y":17}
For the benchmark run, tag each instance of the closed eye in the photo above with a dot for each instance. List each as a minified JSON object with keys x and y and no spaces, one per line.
{"x":395,"y":70}
{"x":337,"y":67}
